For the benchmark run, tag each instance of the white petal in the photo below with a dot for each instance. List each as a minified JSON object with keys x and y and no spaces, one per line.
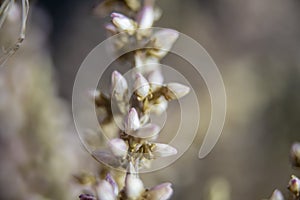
{"x":164,"y":40}
{"x":132,"y":122}
{"x":163,"y":150}
{"x":155,"y":79}
{"x":134,"y":187}
{"x":105,"y":191}
{"x":147,"y":131}
{"x":119,"y":86}
{"x":176,"y":90}
{"x":124,"y":23}
{"x":160,"y":192}
{"x":277,"y":195}
{"x":118,"y":147}
{"x":141,"y":86}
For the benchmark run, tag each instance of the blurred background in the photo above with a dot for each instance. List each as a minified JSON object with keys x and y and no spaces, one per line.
{"x":255,"y":44}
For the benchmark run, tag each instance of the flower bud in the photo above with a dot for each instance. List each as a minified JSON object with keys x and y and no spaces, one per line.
{"x":124,"y":23}
{"x":134,"y":186}
{"x":105,"y":191}
{"x":119,"y":86}
{"x":163,"y":150}
{"x":295,"y":154}
{"x":294,"y":185}
{"x":118,"y":147}
{"x":161,"y":192}
{"x":132,"y":122}
{"x":141,"y":86}
{"x":146,"y":16}
{"x":277,"y":195}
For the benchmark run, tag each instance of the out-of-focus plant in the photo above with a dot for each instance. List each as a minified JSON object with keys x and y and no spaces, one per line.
{"x":135,"y":146}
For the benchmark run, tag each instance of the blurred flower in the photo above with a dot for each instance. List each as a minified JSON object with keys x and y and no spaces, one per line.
{"x":295,"y":154}
{"x":294,"y":185}
{"x":277,"y":195}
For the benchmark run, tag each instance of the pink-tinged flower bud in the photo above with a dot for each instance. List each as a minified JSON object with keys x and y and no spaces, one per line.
{"x":163,"y":150}
{"x":164,"y":40}
{"x":277,"y":195}
{"x":148,"y":131}
{"x":105,"y":191}
{"x":132,"y":122}
{"x":119,"y":86}
{"x":294,"y":185}
{"x":155,"y":79}
{"x":113,"y":183}
{"x":118,"y":147}
{"x":295,"y":154}
{"x":176,"y":90}
{"x":160,"y":192}
{"x":111,"y":29}
{"x":141,"y":86}
{"x":124,"y":23}
{"x":134,"y":186}
{"x":146,"y":16}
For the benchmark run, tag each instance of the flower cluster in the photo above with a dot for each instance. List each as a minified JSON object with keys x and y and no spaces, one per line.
{"x":294,"y":183}
{"x":134,"y":146}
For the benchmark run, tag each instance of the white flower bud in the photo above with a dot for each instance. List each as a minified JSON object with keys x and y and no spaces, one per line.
{"x":155,"y":79}
{"x":134,"y":186}
{"x":294,"y":185}
{"x":147,"y":131}
{"x":124,"y":23}
{"x":141,"y":86}
{"x":105,"y":191}
{"x":163,"y":150}
{"x":295,"y":154}
{"x":132,"y":122}
{"x":176,"y":90}
{"x":160,"y":192}
{"x":111,"y":29}
{"x":119,"y":86}
{"x":164,"y":40}
{"x":118,"y":147}
{"x":146,"y":16}
{"x":277,"y":195}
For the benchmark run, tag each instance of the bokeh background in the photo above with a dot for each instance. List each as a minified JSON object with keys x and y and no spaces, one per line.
{"x":255,"y":44}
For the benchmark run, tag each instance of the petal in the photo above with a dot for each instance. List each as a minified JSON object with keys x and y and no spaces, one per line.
{"x":295,"y":154}
{"x":119,"y":86}
{"x":118,"y":147}
{"x":160,"y":192}
{"x":277,"y":195}
{"x":147,"y":131}
{"x":141,"y":86}
{"x":155,"y":79}
{"x":294,"y":185}
{"x":176,"y":90}
{"x":163,"y":42}
{"x":163,"y":150}
{"x":105,"y":191}
{"x":132,"y":121}
{"x":159,"y":106}
{"x":113,"y":183}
